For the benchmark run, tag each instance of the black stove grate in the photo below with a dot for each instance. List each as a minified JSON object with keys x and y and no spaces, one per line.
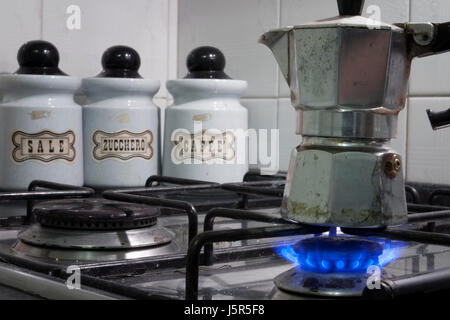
{"x":426,"y":205}
{"x":53,"y":191}
{"x":210,"y":237}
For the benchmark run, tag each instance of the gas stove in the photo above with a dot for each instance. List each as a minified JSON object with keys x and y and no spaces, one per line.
{"x":186,"y":239}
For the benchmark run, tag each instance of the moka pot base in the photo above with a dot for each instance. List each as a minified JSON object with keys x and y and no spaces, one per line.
{"x":345,"y":182}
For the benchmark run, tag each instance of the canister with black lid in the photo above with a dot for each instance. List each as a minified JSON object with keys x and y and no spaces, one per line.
{"x":120,"y":123}
{"x":40,"y":124}
{"x":206,"y":127}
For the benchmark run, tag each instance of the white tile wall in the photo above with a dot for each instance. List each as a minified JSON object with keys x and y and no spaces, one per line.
{"x":172,"y":63}
{"x":164,"y":31}
{"x":428,"y":150}
{"x":262,"y":114}
{"x":429,"y":75}
{"x":20,"y":21}
{"x":149,"y":26}
{"x":234,"y":26}
{"x":141,"y":24}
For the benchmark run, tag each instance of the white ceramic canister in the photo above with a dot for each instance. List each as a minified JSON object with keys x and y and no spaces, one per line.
{"x":120,"y":123}
{"x":40,"y":124}
{"x":205,"y":128}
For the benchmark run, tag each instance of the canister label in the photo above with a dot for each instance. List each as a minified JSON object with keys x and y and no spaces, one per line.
{"x":45,"y":146}
{"x":205,"y":146}
{"x":123,"y":145}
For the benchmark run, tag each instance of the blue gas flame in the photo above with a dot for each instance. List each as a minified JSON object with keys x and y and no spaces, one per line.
{"x":353,"y":259}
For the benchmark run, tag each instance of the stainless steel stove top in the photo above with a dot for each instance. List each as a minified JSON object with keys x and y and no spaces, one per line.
{"x":55,"y":249}
{"x":253,"y":278}
{"x":244,"y":261}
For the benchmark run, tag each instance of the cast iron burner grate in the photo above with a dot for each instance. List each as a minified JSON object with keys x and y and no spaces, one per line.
{"x":424,"y":211}
{"x":95,"y":214}
{"x":205,"y":195}
{"x":348,"y":284}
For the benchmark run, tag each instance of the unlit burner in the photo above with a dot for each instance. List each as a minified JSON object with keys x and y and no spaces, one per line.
{"x":94,"y":230}
{"x":95,"y":214}
{"x":329,"y":266}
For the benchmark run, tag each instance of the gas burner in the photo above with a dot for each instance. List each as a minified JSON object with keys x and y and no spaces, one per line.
{"x":329,"y":266}
{"x":94,"y":230}
{"x":331,"y":255}
{"x":95,"y":214}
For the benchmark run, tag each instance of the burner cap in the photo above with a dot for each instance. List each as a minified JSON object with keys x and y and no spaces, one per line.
{"x":95,"y":214}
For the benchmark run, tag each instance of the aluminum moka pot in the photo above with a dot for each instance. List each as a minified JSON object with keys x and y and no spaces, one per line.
{"x":348,"y":78}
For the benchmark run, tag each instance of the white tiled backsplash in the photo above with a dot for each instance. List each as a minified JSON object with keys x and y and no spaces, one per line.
{"x":164,"y":31}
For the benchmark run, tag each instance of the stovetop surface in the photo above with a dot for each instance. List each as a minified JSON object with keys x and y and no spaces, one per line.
{"x":177,"y":224}
{"x":249,"y":275}
{"x":253,"y":277}
{"x":242,"y":269}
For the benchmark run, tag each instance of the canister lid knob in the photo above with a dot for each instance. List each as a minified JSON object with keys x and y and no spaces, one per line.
{"x":350,"y":7}
{"x":120,"y":62}
{"x":38,"y":57}
{"x":206,"y":63}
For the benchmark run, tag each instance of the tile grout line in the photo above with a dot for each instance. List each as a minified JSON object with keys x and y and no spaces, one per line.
{"x":172,"y":50}
{"x":177,"y":16}
{"x":168,"y":44}
{"x":42,"y":20}
{"x":410,"y":9}
{"x":177,"y":53}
